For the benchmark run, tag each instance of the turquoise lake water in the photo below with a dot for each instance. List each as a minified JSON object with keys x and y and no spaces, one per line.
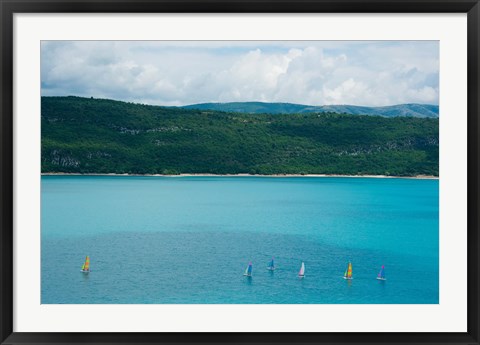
{"x":189,"y":239}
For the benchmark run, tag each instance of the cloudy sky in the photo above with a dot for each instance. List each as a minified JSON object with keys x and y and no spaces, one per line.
{"x":371,"y":73}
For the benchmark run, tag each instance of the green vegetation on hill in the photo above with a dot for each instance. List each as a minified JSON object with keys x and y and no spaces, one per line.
{"x":82,"y":135}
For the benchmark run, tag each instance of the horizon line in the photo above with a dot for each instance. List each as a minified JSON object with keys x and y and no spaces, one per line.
{"x":230,"y":102}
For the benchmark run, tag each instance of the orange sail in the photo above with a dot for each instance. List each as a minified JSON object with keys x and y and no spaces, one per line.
{"x":86,"y":265}
{"x":348,"y":272}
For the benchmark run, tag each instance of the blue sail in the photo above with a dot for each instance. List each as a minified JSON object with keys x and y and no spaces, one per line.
{"x":381,"y":274}
{"x":271,"y":265}
{"x":248,"y":271}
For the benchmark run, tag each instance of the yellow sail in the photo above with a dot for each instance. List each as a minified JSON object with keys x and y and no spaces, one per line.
{"x":348,"y":272}
{"x":86,"y":265}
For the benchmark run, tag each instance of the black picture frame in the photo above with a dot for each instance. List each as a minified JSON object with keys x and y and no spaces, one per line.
{"x":9,"y":7}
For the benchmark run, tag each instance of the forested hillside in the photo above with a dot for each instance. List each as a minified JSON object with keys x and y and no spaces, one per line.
{"x":83,"y":135}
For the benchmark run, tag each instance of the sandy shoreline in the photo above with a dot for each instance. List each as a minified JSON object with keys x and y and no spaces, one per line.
{"x":422,"y":177}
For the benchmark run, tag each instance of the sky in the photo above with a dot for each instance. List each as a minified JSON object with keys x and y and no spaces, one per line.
{"x":368,"y":73}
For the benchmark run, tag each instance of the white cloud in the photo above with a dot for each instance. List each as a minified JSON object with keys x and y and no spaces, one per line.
{"x":176,"y":73}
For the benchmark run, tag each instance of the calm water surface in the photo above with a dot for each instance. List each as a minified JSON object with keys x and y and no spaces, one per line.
{"x":189,"y":239}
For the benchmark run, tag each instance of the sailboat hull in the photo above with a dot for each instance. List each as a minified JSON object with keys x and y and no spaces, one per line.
{"x":378,"y":278}
{"x":347,"y":278}
{"x":84,"y":271}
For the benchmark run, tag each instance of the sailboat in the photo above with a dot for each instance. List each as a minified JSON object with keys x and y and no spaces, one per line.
{"x":86,"y":265}
{"x":381,"y":274}
{"x":348,"y":272}
{"x":301,"y":273}
{"x":248,"y":271}
{"x":271,"y":265}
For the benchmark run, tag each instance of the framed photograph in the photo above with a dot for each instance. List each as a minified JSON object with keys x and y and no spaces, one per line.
{"x":239,"y":172}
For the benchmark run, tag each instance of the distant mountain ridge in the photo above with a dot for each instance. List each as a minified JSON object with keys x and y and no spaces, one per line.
{"x":409,"y":110}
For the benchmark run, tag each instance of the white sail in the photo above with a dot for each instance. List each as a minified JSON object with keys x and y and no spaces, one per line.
{"x":302,"y":270}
